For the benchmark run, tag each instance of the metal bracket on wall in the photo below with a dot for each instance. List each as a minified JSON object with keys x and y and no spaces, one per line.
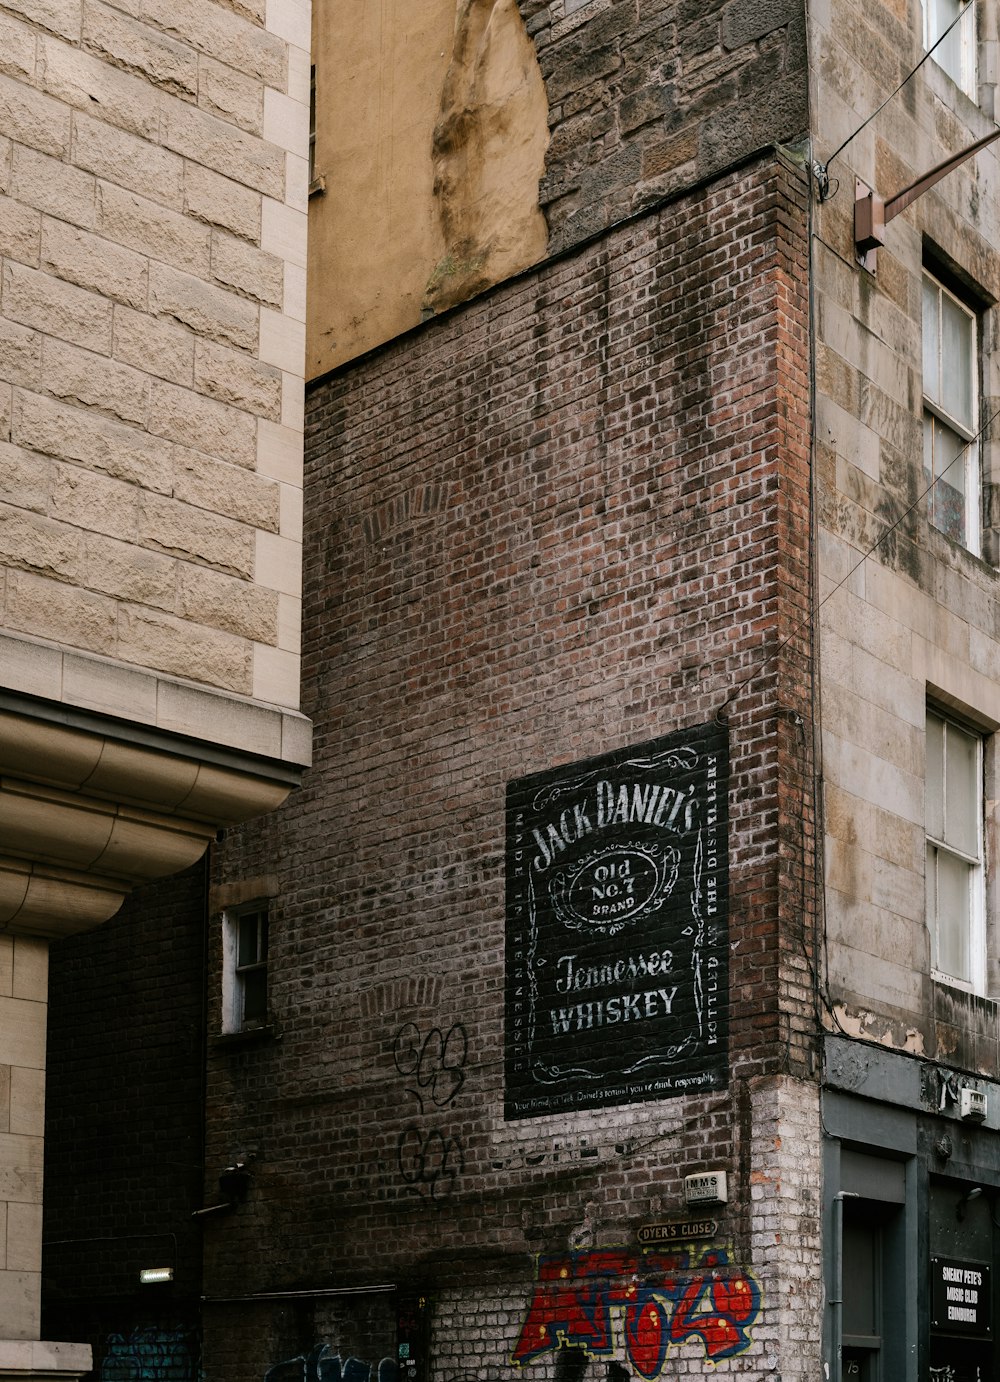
{"x":872,"y":214}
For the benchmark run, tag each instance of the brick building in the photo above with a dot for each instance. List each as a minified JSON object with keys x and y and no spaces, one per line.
{"x":492,"y":542}
{"x":617,"y":995}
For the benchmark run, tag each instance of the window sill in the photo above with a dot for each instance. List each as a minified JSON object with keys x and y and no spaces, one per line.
{"x":986,"y":560}
{"x":959,"y":985}
{"x":965,"y":105}
{"x":251,"y":1036}
{"x":974,"y":1000}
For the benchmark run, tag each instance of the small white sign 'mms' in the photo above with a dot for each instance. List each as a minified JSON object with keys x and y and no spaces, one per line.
{"x":707,"y":1188}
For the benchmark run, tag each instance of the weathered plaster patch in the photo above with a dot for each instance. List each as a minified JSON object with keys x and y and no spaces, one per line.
{"x":432,"y":127}
{"x":869,"y":1026}
{"x":489,"y":154}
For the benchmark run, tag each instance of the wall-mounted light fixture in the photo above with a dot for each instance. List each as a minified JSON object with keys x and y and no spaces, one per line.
{"x":963,"y":1204}
{"x":234,"y":1182}
{"x":872,"y":214}
{"x":151,"y":1276}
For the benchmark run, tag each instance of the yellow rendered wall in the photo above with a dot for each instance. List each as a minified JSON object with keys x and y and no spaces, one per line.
{"x":431,"y":131}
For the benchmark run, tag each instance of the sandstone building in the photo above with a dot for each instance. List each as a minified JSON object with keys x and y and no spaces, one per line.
{"x":618,"y":993}
{"x":153,"y":184}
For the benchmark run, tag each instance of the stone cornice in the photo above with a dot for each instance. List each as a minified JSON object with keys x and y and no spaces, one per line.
{"x":90,"y":806}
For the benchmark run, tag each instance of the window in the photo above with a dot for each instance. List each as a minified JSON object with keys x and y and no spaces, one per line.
{"x":956,"y":55}
{"x":312,"y":122}
{"x":954,"y":880}
{"x":244,"y":995}
{"x":951,"y":456}
{"x":317,"y":183}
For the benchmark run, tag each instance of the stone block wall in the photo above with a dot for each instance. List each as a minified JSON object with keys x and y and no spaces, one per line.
{"x":569,"y":517}
{"x":644,"y":100}
{"x":23,"y":981}
{"x":908,"y":614}
{"x":153,"y":178}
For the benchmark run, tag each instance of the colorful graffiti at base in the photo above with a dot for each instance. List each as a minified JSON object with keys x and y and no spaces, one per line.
{"x":661,"y":1299}
{"x":323,"y":1364}
{"x":149,"y":1355}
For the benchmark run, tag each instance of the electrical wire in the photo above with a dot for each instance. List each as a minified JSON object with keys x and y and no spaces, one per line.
{"x":804,"y":623}
{"x":819,"y":968}
{"x":821,"y":171}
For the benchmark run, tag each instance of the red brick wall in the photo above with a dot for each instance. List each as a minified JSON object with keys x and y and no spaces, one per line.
{"x":566,"y":518}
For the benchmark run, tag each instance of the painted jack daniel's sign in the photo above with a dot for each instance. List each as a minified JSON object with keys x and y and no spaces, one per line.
{"x":617,"y":927}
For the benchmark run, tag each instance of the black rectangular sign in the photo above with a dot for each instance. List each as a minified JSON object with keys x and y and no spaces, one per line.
{"x":617,"y":897}
{"x":680,"y":1231}
{"x":960,"y":1297}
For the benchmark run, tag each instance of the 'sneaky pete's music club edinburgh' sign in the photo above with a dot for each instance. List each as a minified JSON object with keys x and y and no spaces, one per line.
{"x":617,"y":894}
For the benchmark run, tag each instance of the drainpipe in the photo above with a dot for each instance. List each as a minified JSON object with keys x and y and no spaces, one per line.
{"x":837,"y":1299}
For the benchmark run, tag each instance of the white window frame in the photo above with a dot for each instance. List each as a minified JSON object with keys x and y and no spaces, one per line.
{"x":975,"y":980}
{"x":940,"y":419}
{"x":234,"y":975}
{"x":957,"y":54}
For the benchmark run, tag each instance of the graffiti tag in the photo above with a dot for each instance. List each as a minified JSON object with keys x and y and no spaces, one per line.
{"x":431,"y":1161}
{"x":660,"y":1299}
{"x":323,"y":1364}
{"x":149,"y":1355}
{"x":436,"y":1063}
{"x":429,"y":1164}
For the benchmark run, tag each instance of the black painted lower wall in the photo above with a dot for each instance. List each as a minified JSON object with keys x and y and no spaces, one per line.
{"x":124,"y":1119}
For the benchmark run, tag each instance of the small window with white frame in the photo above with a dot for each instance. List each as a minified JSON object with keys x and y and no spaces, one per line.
{"x":955,"y":876}
{"x":955,"y":53}
{"x":244,"y":960}
{"x":951,"y":409}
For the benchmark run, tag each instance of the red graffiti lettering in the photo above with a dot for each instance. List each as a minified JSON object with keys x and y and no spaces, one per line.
{"x":572,"y":1301}
{"x":647,"y":1334}
{"x":662,"y":1300}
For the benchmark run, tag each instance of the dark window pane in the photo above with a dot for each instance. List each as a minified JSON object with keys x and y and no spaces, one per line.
{"x":860,"y":1278}
{"x":254,"y":997}
{"x":248,"y":949}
